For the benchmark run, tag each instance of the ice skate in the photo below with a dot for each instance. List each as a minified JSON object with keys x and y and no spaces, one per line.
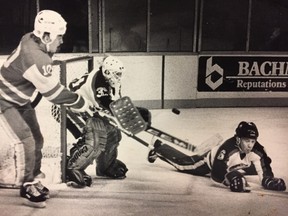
{"x":117,"y":170}
{"x":152,"y":155}
{"x":31,"y":195}
{"x":42,"y":189}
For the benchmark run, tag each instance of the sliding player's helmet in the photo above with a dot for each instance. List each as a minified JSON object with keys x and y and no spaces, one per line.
{"x":112,"y":69}
{"x":51,"y":22}
{"x":247,"y":129}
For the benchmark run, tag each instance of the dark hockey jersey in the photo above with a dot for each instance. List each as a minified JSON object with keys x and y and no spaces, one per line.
{"x":228,"y":157}
{"x":28,"y":68}
{"x":95,"y":88}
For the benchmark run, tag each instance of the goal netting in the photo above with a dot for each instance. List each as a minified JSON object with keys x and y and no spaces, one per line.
{"x":52,"y":119}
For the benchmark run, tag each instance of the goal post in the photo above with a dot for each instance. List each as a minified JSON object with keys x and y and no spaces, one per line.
{"x":69,"y":69}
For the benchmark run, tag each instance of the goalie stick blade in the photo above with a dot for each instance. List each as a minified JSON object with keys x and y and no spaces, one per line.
{"x":127,"y":115}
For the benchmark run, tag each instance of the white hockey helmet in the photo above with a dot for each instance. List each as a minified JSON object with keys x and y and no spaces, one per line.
{"x":112,"y":69}
{"x":51,"y":22}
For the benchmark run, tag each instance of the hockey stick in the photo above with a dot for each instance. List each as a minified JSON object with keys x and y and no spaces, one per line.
{"x":199,"y":149}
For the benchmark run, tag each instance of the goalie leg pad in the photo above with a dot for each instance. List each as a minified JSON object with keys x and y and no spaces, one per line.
{"x":81,"y":156}
{"x":105,"y":138}
{"x":95,"y":134}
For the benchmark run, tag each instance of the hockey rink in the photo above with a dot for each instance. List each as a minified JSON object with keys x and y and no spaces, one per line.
{"x":158,"y":189}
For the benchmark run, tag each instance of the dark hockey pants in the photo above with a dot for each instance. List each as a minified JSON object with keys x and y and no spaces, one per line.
{"x":194,"y":165}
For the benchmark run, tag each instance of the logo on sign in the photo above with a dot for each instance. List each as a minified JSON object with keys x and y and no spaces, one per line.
{"x":210,"y":70}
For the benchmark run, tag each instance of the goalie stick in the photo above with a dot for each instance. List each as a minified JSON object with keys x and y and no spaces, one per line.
{"x":127,"y":118}
{"x":200,"y":149}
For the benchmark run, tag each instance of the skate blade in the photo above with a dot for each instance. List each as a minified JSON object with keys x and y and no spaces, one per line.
{"x":34,"y":204}
{"x":110,"y":178}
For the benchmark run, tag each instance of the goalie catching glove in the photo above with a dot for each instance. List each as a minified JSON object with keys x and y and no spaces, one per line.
{"x":271,"y":183}
{"x":237,"y":182}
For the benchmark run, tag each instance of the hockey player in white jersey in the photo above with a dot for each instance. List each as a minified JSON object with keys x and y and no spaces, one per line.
{"x":228,"y":163}
{"x":27,"y":69}
{"x":101,"y":87}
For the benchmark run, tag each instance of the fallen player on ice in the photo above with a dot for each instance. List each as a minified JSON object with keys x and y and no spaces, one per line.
{"x":228,"y":163}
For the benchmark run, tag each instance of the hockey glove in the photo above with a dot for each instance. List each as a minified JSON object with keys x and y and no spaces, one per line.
{"x":146,"y":114}
{"x":237,"y":182}
{"x":271,"y":183}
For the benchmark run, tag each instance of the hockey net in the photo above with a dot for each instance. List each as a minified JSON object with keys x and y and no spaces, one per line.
{"x":52,"y":119}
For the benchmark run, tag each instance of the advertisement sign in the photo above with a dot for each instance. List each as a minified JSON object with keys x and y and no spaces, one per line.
{"x":242,"y":73}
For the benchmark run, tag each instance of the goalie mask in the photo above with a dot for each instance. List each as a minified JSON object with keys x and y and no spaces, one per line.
{"x":112,"y":69}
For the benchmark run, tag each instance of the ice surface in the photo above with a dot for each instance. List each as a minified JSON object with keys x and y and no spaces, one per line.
{"x":158,"y":189}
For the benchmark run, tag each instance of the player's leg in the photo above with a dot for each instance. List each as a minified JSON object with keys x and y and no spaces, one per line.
{"x":194,"y":164}
{"x":81,"y":156}
{"x":19,"y":130}
{"x":29,"y":115}
{"x":107,"y":163}
{"x":105,"y":138}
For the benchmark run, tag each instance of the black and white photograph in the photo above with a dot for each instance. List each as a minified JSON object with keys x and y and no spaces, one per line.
{"x":143,"y":107}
